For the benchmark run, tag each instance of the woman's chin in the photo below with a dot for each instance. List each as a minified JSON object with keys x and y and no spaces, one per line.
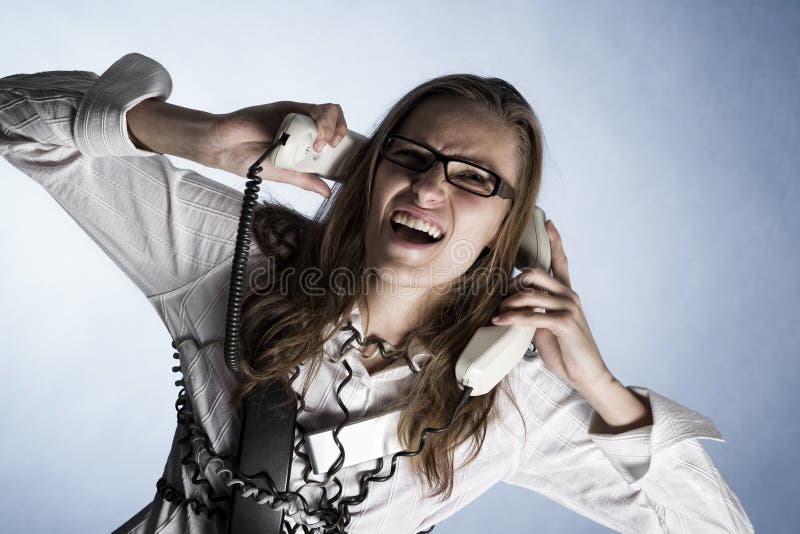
{"x":412,"y":271}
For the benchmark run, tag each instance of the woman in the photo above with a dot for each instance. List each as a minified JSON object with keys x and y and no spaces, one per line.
{"x":560,"y":423}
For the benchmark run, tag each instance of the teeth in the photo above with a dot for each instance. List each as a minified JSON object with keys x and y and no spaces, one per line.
{"x":413,"y":222}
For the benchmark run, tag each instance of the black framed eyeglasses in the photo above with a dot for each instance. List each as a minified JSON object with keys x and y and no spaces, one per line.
{"x":461,"y":173}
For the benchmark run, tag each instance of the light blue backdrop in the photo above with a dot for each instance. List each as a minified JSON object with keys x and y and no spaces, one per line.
{"x":672,"y":135}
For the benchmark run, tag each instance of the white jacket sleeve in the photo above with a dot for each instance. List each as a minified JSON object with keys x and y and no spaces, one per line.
{"x":656,"y":478}
{"x":163,"y":226}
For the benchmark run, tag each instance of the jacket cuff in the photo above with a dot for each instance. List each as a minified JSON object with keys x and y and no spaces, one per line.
{"x":630,"y":452}
{"x":101,"y":127}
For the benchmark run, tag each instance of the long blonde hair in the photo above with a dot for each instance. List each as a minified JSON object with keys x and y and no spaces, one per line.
{"x":282,"y":330}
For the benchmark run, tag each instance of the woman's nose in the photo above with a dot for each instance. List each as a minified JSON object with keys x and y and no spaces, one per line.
{"x":431,"y":183}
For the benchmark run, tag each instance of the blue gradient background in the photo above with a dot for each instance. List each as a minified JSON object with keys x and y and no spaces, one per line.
{"x":672,"y":157}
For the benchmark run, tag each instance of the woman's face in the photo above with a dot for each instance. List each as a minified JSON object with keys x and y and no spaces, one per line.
{"x":456,"y":128}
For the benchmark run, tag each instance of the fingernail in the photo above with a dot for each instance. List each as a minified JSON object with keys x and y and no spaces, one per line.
{"x":336,"y":140}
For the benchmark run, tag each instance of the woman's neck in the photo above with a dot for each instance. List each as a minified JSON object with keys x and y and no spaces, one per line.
{"x":389,"y":315}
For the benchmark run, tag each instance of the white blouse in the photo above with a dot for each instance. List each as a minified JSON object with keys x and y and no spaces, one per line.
{"x":172,"y":231}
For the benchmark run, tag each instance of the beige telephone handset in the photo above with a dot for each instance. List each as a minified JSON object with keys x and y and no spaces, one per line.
{"x":494,"y":350}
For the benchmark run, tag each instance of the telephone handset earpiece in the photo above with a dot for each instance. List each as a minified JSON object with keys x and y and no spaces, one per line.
{"x":494,"y":350}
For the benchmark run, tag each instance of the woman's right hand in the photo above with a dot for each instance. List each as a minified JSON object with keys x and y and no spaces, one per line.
{"x":239,"y":138}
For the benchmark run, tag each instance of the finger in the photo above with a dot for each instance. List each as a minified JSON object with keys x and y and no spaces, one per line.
{"x":546,"y":342}
{"x":531,"y":300}
{"x":325,"y":120}
{"x":303,"y":180}
{"x":330,"y":123}
{"x":316,"y":112}
{"x":336,"y":125}
{"x":341,"y":127}
{"x":535,"y":278}
{"x":559,"y":257}
{"x":555,"y":322}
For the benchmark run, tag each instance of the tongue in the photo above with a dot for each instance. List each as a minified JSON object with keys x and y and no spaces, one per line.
{"x":409,"y":234}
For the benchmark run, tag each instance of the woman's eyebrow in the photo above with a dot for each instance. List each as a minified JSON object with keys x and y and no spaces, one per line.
{"x":477,"y":161}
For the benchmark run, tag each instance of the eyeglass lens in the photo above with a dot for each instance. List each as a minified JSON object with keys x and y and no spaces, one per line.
{"x":419,"y":158}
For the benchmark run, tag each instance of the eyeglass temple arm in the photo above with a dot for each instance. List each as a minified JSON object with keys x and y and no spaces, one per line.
{"x":505,"y":190}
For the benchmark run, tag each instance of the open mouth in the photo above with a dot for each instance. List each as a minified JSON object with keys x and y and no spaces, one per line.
{"x":414,"y":230}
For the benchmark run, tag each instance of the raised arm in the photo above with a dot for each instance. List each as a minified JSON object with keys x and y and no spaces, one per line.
{"x":163,"y":226}
{"x":656,"y":478}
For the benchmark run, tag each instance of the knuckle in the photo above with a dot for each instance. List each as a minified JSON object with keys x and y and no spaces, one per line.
{"x":527,"y":290}
{"x":570,"y":324}
{"x":531,"y":274}
{"x":340,"y":113}
{"x":573,"y":307}
{"x":523,"y":285}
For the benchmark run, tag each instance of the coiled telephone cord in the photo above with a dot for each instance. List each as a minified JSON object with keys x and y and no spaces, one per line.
{"x":334,"y":516}
{"x":241,"y":252}
{"x":331,"y":516}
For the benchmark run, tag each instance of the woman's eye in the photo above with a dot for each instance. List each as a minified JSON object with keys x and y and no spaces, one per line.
{"x":410,"y":153}
{"x":477,"y":178}
{"x":415,"y":158}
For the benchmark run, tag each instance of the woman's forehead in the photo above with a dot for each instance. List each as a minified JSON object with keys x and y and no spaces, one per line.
{"x":448,"y":114}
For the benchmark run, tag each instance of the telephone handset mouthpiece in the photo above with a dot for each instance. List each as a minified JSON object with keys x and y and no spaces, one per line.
{"x":298,"y":154}
{"x":493,"y":350}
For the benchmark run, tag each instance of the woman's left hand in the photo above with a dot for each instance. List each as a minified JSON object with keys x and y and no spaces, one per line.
{"x":562,"y":337}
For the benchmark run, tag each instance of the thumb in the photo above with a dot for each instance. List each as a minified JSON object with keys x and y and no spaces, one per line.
{"x":304,"y":180}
